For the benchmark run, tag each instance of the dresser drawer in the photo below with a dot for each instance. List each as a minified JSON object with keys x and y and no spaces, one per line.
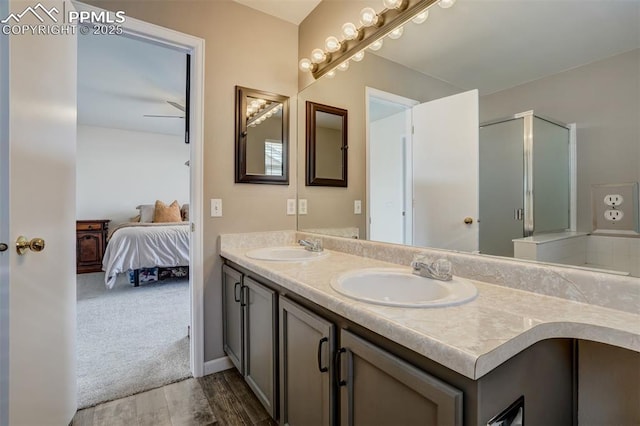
{"x":90,"y":226}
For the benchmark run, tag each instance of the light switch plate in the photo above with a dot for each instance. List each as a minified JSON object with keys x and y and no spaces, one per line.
{"x":216,"y":207}
{"x":302,"y":206}
{"x":357,"y":207}
{"x":291,"y":206}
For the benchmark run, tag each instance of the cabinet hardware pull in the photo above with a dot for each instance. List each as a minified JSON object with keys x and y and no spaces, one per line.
{"x":336,"y":366}
{"x":236,"y":297}
{"x":320,"y":367}
{"x":244,"y":295}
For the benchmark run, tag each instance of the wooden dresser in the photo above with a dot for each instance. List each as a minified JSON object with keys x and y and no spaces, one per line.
{"x":91,"y":241}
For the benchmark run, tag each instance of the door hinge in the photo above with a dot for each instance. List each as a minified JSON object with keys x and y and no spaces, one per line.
{"x":193,"y":227}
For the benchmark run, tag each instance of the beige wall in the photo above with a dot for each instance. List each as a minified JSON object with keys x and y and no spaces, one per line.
{"x":333,"y":207}
{"x":243,"y":47}
{"x":603,"y":99}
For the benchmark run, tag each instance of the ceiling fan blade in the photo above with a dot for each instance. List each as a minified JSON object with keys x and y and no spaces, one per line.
{"x":176,"y":105}
{"x":163,"y":116}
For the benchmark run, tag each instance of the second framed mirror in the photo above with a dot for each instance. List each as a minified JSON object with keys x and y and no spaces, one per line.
{"x":326,"y":137}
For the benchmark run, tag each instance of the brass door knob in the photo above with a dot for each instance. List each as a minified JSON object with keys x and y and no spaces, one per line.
{"x":22,"y":244}
{"x":468,"y":220}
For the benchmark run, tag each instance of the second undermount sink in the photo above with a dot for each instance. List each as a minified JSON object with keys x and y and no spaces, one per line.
{"x":399,"y":287}
{"x":285,"y":253}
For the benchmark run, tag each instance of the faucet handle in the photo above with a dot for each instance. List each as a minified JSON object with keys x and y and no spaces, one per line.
{"x":317,"y":244}
{"x":442,"y":268}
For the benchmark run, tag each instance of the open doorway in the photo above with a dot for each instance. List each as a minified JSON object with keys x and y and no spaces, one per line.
{"x":139,"y":323}
{"x":389,"y":167}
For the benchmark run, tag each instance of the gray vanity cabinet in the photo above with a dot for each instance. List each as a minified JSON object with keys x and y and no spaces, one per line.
{"x":379,"y":388}
{"x":307,"y":345}
{"x":249,"y":332}
{"x":233,"y":318}
{"x":260,"y":342}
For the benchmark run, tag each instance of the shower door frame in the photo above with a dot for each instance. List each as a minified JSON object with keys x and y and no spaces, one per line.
{"x":527,"y":181}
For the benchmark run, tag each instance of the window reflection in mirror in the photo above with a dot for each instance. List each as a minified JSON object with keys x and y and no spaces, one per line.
{"x":261,"y":137}
{"x":326,"y":145}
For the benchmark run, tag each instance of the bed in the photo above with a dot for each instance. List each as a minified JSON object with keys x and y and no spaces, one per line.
{"x":138,"y":245}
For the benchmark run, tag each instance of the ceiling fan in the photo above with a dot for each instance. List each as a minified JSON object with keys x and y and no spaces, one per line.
{"x":173,"y":104}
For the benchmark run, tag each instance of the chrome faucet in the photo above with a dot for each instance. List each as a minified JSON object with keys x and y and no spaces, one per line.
{"x":439,"y":269}
{"x":313,"y":245}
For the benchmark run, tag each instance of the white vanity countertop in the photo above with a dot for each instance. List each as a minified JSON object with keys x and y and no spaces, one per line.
{"x":471,"y":339}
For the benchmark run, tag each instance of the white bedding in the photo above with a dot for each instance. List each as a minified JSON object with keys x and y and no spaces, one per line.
{"x":136,"y":245}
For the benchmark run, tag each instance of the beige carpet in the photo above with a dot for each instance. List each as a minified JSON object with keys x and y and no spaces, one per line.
{"x":130,"y":339}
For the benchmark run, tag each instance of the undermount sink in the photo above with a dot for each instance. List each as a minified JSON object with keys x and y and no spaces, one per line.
{"x":399,"y":287}
{"x":286,"y":253}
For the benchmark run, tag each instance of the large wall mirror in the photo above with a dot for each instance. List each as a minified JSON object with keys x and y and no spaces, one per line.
{"x":262,"y":137}
{"x":326,"y":145}
{"x":578,"y":95}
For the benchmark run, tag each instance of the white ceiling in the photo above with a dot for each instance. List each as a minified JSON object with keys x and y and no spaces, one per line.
{"x":293,"y":11}
{"x":121,"y":79}
{"x":492,"y":45}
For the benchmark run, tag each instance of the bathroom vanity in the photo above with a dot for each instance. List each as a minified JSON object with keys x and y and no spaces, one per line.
{"x":315,"y":356}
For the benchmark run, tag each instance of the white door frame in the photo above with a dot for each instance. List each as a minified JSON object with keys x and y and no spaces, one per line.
{"x":195,"y":47}
{"x":371,"y":92}
{"x":4,"y":221}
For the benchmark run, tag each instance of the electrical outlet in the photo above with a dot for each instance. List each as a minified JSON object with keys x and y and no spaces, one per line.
{"x":357,"y":207}
{"x":302,"y":206}
{"x":613,"y":215}
{"x":613,"y":200}
{"x":291,"y":206}
{"x":216,"y":207}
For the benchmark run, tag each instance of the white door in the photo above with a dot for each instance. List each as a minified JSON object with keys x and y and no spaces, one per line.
{"x":445,"y":172}
{"x":388,"y":139}
{"x":37,"y":199}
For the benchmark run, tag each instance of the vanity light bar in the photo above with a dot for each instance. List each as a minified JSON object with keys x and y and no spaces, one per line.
{"x":261,"y":115}
{"x":384,"y":23}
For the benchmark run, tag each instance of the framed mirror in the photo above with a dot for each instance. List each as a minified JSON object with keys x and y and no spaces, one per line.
{"x":326,"y":138}
{"x":262,"y":137}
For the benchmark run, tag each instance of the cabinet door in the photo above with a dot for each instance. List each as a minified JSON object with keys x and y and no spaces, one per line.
{"x":89,"y":248}
{"x":307,"y":343}
{"x":382,"y":389}
{"x":232,"y":323}
{"x":260,"y":345}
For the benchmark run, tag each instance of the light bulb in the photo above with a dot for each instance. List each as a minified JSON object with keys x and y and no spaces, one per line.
{"x":332,"y":44}
{"x":318,"y":56}
{"x":349,"y":31}
{"x":392,"y":4}
{"x":358,"y":56}
{"x":376,"y":45}
{"x":343,"y":66}
{"x":446,"y":4}
{"x":305,"y":65}
{"x":368,"y":17}
{"x":420,"y":17}
{"x":269,"y":114}
{"x":331,"y":74}
{"x":255,"y":104}
{"x":262,"y":101}
{"x":396,"y":34}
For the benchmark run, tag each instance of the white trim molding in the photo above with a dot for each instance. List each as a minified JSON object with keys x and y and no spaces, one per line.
{"x":217,"y":365}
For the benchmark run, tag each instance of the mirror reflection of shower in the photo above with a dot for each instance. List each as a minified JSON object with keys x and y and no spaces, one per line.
{"x":525,"y":180}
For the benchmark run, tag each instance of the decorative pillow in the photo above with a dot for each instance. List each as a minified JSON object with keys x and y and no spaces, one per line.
{"x":164,"y":213}
{"x":146,"y":212}
{"x":184,"y":212}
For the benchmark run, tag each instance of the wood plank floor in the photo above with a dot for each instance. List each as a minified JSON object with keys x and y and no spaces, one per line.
{"x":219,"y":399}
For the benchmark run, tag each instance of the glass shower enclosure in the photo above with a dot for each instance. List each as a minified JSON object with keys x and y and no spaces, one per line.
{"x":524,"y":180}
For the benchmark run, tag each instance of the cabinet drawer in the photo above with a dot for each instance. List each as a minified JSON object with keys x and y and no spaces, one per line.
{"x":92,"y":226}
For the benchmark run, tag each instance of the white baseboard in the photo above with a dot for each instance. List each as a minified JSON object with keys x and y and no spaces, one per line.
{"x":216,"y":365}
